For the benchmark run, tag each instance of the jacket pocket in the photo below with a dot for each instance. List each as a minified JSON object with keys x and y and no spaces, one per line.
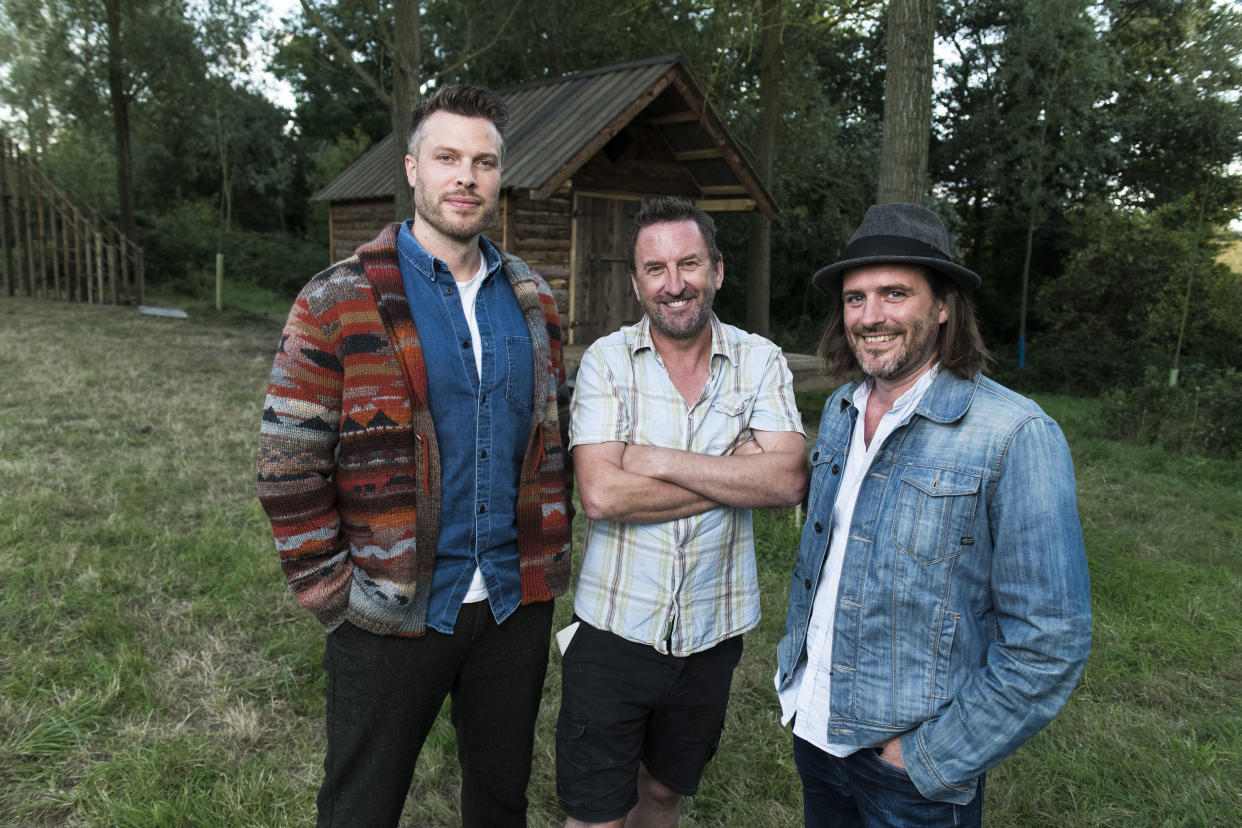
{"x":935,"y":513}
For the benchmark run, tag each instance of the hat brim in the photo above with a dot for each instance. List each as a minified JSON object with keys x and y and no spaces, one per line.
{"x":828,"y":279}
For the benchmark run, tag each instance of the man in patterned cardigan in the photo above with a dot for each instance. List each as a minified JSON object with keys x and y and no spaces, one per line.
{"x":414,"y":472}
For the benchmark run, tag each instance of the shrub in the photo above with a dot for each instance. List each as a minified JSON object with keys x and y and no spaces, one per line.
{"x":180,"y":247}
{"x":1201,"y":415}
{"x":1077,"y":362}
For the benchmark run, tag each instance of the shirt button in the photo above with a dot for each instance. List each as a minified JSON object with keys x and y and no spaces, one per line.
{"x":818,"y":527}
{"x":836,"y":469}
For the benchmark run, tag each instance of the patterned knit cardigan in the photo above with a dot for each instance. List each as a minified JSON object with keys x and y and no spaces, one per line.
{"x":349,"y":468}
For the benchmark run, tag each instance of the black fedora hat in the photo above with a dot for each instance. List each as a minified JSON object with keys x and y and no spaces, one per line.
{"x":897,"y":232}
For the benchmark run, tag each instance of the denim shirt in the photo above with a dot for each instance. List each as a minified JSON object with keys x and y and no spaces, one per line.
{"x":963,"y":617}
{"x":482,"y":426}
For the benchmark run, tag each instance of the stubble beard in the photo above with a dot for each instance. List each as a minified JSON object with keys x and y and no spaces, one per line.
{"x":918,"y":346}
{"x":433,"y":213}
{"x":691,"y":328}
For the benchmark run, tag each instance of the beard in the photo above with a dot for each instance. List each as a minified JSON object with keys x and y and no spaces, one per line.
{"x":458,"y":228}
{"x":917,"y":346}
{"x":686,"y":327}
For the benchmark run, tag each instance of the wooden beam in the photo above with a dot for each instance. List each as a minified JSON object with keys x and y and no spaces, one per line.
{"x":568,"y":315}
{"x":724,"y":190}
{"x":699,"y":154}
{"x":725,"y":205}
{"x":619,"y":196}
{"x":683,"y":117}
{"x":716,"y":130}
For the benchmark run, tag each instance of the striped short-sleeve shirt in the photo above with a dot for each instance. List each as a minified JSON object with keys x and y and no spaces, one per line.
{"x":684,"y":585}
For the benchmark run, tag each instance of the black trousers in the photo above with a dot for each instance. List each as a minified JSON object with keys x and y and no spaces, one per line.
{"x":384,"y":693}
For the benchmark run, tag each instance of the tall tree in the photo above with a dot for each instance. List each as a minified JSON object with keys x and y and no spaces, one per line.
{"x":771,"y":72}
{"x":397,"y":30}
{"x":224,"y":29}
{"x":120,"y":119}
{"x":107,"y":55}
{"x":907,"y":100}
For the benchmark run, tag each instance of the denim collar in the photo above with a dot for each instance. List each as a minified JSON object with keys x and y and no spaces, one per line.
{"x":429,"y":266}
{"x":946,"y":401}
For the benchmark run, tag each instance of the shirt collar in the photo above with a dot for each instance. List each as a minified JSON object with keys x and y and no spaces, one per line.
{"x":429,"y":266}
{"x":642,"y":337}
{"x":904,"y":404}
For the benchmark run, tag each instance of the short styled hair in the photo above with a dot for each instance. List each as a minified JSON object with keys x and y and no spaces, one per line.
{"x":673,"y":209}
{"x":459,"y":99}
{"x":959,"y":345}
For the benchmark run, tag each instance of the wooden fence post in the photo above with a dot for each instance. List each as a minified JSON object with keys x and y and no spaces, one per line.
{"x":5,"y":250}
{"x":84,"y":242}
{"x":112,"y":288}
{"x":141,"y":274}
{"x":99,"y":258}
{"x":88,"y":268}
{"x":23,"y":207}
{"x":67,"y":244}
{"x":126,"y":286}
{"x":53,"y":210}
{"x":40,"y":197}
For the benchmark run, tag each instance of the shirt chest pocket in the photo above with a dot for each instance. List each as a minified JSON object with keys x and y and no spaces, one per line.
{"x":519,"y":372}
{"x":935,"y":513}
{"x":726,"y":423}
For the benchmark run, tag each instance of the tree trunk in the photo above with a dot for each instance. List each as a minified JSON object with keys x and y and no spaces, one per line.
{"x":226,"y":180}
{"x":407,"y":61}
{"x":907,"y":100}
{"x":120,"y":121}
{"x":759,"y":259}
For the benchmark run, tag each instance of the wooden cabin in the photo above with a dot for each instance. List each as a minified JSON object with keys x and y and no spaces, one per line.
{"x":580,"y":153}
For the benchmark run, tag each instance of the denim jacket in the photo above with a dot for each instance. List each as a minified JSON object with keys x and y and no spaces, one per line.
{"x":963,"y":619}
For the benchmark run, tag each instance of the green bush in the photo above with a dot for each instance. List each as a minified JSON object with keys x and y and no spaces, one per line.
{"x":1200,"y":415}
{"x":1083,"y":363}
{"x":180,"y":246}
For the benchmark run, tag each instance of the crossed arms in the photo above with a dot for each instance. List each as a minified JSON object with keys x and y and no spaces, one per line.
{"x":650,"y":484}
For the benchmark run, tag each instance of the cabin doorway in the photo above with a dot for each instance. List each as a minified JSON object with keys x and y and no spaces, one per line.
{"x":602,"y":298}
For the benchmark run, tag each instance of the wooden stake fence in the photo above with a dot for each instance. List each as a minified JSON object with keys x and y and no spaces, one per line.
{"x":55,"y":247}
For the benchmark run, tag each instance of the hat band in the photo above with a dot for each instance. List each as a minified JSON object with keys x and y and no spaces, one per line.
{"x":871,"y":247}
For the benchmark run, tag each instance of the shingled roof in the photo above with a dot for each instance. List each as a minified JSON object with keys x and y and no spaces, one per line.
{"x":557,"y":125}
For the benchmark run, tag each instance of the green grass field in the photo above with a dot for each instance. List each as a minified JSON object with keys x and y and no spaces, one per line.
{"x":154,"y":669}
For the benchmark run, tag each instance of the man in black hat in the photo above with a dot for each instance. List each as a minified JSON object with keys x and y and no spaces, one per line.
{"x":939,"y":611}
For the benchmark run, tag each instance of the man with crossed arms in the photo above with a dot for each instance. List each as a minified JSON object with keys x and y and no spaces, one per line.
{"x":680,"y":425}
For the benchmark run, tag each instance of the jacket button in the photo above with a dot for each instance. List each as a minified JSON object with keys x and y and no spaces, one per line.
{"x":806,"y":582}
{"x":466,"y":345}
{"x":818,"y":527}
{"x":815,"y":456}
{"x":836,"y":469}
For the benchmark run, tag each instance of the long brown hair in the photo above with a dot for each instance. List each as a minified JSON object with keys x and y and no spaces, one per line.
{"x":959,"y":346}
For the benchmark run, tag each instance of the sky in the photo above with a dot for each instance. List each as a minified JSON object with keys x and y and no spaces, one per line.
{"x":276,"y":91}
